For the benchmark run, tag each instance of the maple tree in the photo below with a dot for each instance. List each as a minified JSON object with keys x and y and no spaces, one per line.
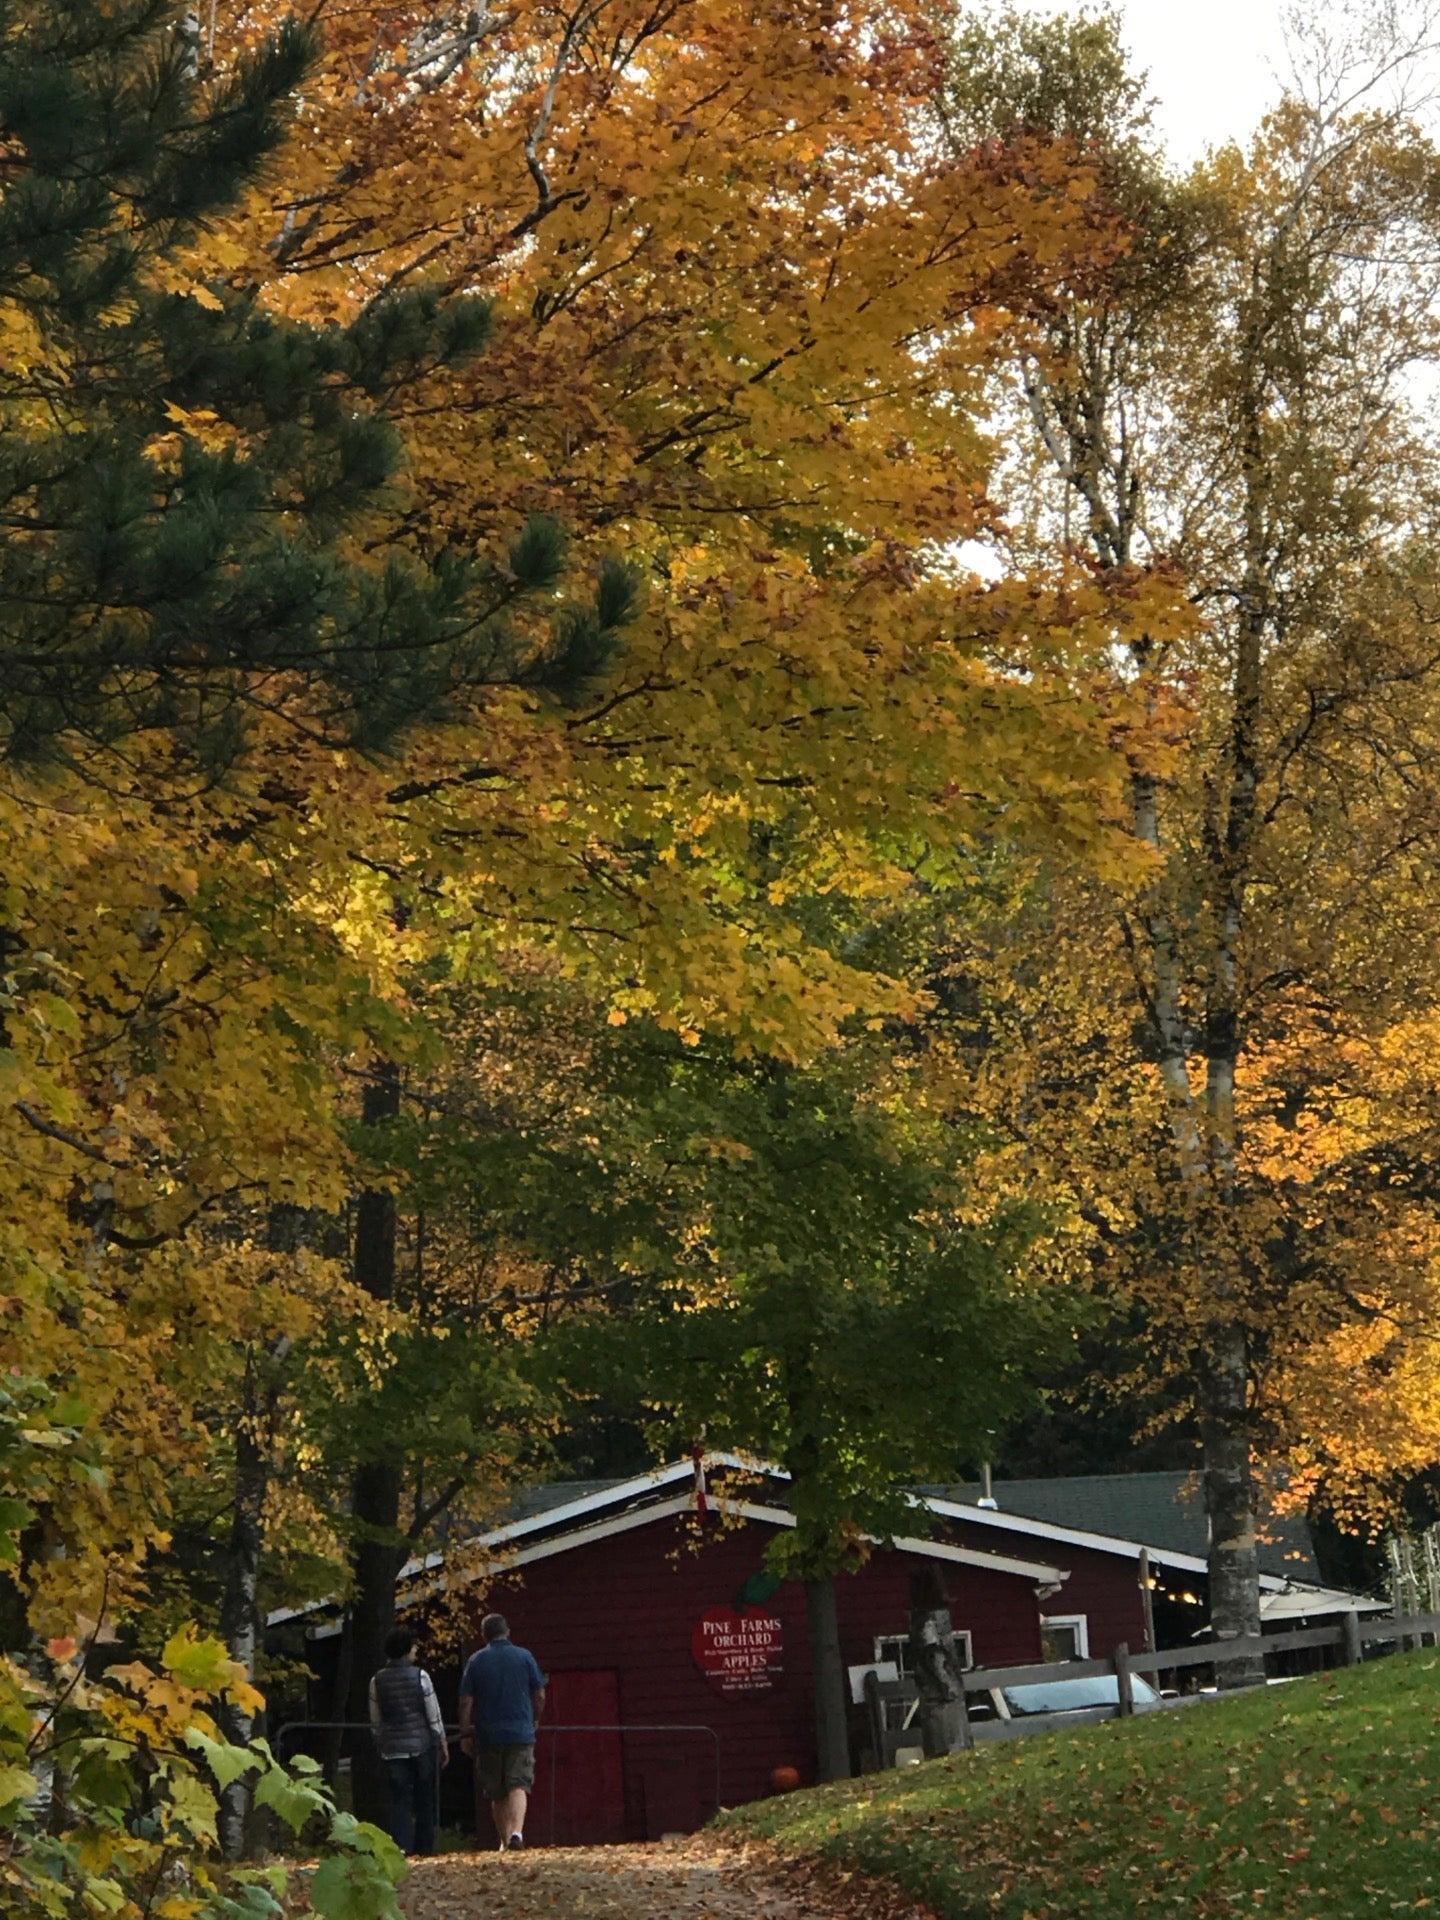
{"x":833,"y":1301}
{"x":775,"y":423}
{"x":111,"y":1784}
{"x":1206,"y":1057}
{"x":777,"y":442}
{"x":604,"y":1210}
{"x":193,"y":629}
{"x":223,"y":939}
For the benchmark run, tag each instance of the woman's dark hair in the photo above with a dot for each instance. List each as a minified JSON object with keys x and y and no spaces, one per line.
{"x":398,"y":1642}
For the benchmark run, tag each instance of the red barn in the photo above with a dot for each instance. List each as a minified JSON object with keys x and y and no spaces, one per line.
{"x":681,"y":1675}
{"x":1134,"y":1547}
{"x":670,"y":1694}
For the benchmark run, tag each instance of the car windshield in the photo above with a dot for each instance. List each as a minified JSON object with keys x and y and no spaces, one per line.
{"x":1070,"y":1696}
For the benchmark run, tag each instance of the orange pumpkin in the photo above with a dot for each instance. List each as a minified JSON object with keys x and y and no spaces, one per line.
{"x":784,"y":1780}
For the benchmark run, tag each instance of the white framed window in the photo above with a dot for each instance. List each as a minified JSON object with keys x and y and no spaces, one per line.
{"x":895,"y":1647}
{"x":1065,"y":1636}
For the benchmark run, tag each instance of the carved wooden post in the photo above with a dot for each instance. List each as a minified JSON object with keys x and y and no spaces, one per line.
{"x":939,"y":1675}
{"x":1354,"y":1651}
{"x":1124,"y":1684}
{"x":1147,"y":1599}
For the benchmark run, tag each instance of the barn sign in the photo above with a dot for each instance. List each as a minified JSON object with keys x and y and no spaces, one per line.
{"x":738,"y":1652}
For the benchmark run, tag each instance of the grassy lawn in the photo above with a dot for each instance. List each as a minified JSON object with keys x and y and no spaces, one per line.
{"x":1318,"y":1800}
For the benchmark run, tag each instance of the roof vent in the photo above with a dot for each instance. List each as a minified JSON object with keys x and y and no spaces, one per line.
{"x":987,"y":1498}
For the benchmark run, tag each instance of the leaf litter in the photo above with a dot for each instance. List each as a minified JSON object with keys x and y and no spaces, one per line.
{"x":697,"y":1879}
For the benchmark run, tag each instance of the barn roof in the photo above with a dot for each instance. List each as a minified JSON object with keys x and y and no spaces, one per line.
{"x":531,"y":1502}
{"x":1105,"y":1513}
{"x":572,"y":1513}
{"x":1119,"y":1514}
{"x":583,"y":1513}
{"x":1164,"y":1510}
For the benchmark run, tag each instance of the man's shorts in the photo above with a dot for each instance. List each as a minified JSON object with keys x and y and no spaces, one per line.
{"x":502,"y":1770}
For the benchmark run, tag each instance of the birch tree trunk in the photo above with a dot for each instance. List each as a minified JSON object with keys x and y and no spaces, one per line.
{"x":1233,"y":1557}
{"x":1235,"y":401}
{"x":1206,"y":1160}
{"x":1171,"y":962}
{"x":240,"y":1620}
{"x":1201,"y":1120}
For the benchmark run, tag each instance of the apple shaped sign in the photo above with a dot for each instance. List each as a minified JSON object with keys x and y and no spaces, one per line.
{"x":738,"y":1652}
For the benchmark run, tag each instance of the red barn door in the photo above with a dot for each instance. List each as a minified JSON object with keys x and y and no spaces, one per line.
{"x":579,"y":1798}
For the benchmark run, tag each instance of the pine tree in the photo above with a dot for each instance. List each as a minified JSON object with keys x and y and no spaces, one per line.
{"x":193,"y":489}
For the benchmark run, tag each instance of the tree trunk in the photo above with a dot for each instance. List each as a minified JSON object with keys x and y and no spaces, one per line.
{"x":239,"y":1618}
{"x":832,"y":1735}
{"x":377,"y":1563}
{"x":16,"y":1635}
{"x":378,"y":1554}
{"x":1234,"y":1564}
{"x":338,"y":1709}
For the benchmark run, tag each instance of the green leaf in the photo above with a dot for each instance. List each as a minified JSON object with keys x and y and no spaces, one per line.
{"x":102,"y":1775}
{"x":15,"y":1516}
{"x":758,"y":1588}
{"x":276,"y":1879}
{"x":103,"y":1896}
{"x":253,"y":1900}
{"x":227,"y":1763}
{"x":17,"y":1784}
{"x":361,"y":1836}
{"x":193,"y":1806}
{"x":201,"y":1664}
{"x":59,"y":1013}
{"x":294,"y":1803}
{"x":352,"y":1886}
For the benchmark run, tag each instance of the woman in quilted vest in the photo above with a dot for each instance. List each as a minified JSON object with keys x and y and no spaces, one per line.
{"x":405,"y":1719}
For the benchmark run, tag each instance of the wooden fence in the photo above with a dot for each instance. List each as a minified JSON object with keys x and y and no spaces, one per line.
{"x":1348,"y":1637}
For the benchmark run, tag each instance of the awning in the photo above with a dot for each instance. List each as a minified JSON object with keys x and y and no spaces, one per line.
{"x":1315,"y":1603}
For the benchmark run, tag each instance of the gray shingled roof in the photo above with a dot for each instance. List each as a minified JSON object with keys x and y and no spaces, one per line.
{"x":531,"y":1502}
{"x":1160,"y":1510}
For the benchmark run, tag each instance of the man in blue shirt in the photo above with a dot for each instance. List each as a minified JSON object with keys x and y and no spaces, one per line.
{"x":502,"y":1694}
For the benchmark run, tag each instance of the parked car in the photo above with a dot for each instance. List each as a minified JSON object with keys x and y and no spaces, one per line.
{"x":1008,"y":1713}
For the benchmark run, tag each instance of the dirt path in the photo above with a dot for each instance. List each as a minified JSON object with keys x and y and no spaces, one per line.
{"x":691,"y":1882}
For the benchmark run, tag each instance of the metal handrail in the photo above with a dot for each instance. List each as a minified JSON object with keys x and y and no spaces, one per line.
{"x":545,"y":1727}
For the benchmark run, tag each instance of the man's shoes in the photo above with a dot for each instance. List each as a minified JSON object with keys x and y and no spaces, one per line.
{"x":515,"y":1843}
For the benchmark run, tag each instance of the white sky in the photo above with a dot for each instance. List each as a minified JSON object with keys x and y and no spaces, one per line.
{"x":1214,"y":67}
